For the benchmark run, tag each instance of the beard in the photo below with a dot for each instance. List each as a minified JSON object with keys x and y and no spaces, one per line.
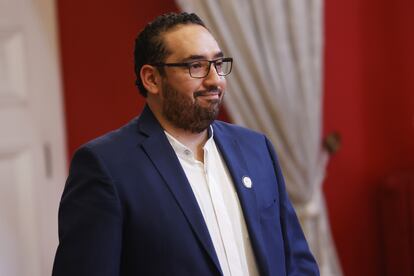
{"x":186,"y":112}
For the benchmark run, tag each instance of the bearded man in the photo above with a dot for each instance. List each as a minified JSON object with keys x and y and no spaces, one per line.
{"x":175,"y":192}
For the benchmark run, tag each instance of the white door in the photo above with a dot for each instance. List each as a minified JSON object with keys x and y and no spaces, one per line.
{"x":32,"y":145}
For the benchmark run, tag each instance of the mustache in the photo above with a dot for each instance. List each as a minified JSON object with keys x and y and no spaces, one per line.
{"x":207,"y":91}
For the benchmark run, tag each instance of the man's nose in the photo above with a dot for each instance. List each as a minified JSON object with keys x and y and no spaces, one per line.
{"x":213,"y":76}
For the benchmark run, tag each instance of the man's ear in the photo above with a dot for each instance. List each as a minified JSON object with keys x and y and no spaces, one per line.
{"x":151,"y":78}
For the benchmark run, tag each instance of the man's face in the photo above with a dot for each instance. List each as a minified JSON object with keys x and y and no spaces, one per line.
{"x":189,"y":103}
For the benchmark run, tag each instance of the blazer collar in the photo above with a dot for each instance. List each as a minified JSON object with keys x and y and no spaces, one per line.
{"x":162,"y":155}
{"x":237,"y":166}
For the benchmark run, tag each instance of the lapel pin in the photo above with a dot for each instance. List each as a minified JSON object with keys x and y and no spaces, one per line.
{"x":247,"y":182}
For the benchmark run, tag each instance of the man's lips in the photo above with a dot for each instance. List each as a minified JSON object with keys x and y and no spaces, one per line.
{"x":208,"y":94}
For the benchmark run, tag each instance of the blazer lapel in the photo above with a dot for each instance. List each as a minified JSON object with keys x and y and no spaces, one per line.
{"x":237,"y":166}
{"x":162,"y":155}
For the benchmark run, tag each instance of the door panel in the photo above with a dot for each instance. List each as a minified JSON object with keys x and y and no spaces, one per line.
{"x":32,"y":144}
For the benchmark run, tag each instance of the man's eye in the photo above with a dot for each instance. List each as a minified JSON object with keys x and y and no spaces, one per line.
{"x":196,"y":65}
{"x":219,"y":63}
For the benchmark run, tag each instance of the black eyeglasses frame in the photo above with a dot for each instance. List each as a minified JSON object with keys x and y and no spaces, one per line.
{"x":188,"y":65}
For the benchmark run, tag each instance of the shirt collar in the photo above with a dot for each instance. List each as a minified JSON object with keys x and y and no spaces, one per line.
{"x":184,"y":152}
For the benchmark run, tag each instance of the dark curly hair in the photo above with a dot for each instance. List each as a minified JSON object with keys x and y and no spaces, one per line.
{"x":149,"y":45}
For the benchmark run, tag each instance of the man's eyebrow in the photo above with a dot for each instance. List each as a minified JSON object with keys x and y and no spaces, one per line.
{"x":219,"y":55}
{"x":199,"y":57}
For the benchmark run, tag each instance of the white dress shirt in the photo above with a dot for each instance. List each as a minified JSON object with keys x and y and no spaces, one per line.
{"x":217,"y":198}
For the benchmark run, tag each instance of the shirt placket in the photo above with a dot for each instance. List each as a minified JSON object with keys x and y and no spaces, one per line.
{"x":223,"y":219}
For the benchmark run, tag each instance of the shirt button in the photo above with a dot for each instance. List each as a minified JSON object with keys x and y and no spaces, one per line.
{"x":187,"y":152}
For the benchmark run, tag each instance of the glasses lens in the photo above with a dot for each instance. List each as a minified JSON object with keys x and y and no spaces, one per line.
{"x":223,"y":67}
{"x":199,"y":69}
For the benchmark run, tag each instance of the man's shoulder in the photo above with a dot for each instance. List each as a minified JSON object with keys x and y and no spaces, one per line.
{"x":123,"y":137}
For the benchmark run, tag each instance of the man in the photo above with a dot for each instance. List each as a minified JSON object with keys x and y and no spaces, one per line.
{"x":175,"y":192}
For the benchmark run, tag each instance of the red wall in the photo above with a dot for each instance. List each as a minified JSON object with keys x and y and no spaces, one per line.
{"x":97,"y":39}
{"x":369,"y":99}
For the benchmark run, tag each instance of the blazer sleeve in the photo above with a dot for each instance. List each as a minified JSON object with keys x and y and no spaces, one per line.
{"x":299,"y":259}
{"x":90,"y":221}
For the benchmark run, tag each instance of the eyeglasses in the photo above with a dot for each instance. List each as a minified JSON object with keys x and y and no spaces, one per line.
{"x":201,"y":68}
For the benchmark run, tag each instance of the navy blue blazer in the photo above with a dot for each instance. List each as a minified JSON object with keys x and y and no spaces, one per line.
{"x":128,"y":209}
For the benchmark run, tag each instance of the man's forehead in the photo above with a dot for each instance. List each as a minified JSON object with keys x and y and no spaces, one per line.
{"x":191,"y":42}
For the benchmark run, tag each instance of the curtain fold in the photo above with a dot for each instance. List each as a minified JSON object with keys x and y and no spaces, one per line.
{"x":276,"y":88}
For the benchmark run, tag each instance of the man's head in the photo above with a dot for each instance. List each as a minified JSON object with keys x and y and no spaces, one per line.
{"x":182,"y":76}
{"x":149,"y":45}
